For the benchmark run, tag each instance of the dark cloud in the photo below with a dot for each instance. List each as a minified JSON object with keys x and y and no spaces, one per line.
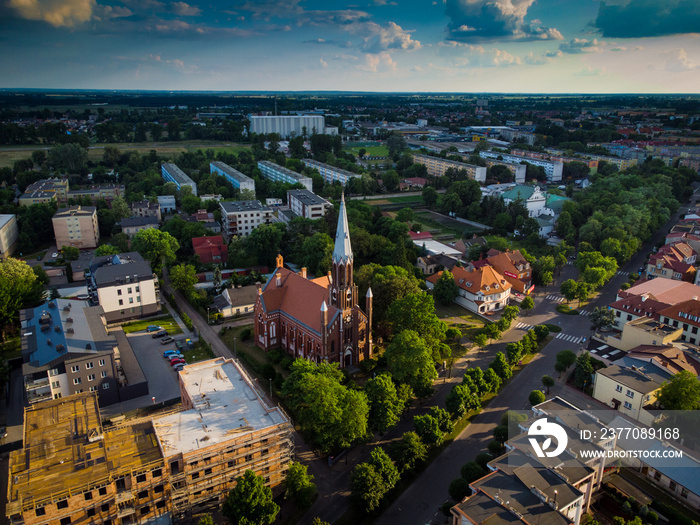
{"x":578,"y":46}
{"x":645,"y":18}
{"x":479,"y":20}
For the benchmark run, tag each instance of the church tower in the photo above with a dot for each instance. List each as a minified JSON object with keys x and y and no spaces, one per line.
{"x":343,"y":292}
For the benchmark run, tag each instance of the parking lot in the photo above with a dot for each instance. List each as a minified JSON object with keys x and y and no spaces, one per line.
{"x":162,"y":379}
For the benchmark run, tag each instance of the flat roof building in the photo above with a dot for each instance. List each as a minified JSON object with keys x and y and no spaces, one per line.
{"x":235,"y":177}
{"x":45,"y":190}
{"x":278,"y":173}
{"x":287,"y":126}
{"x":305,"y":203}
{"x":553,"y":170}
{"x":242,"y":217}
{"x":76,"y":226}
{"x":172,"y":173}
{"x":437,"y":167}
{"x":330,"y":173}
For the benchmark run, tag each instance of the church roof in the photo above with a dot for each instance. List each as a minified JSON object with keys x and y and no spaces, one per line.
{"x":298,"y":297}
{"x":342,"y":251}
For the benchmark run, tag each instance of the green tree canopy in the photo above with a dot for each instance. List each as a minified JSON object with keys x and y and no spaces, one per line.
{"x":501,"y":367}
{"x":107,"y":249}
{"x":417,"y":312}
{"x":384,"y":405}
{"x":19,"y":288}
{"x":410,"y":361}
{"x":446,"y":289}
{"x":536,"y":397}
{"x":388,"y":284}
{"x":299,"y":485}
{"x":408,"y":452}
{"x":681,"y":392}
{"x":250,"y":502}
{"x":183,"y":277}
{"x":156,"y":246}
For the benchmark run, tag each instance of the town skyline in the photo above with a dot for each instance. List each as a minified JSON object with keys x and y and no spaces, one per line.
{"x":475,"y":46}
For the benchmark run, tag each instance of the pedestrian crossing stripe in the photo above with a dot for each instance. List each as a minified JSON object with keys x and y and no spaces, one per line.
{"x":555,"y":298}
{"x":524,"y":326}
{"x":570,"y":263}
{"x":623,"y":273}
{"x":569,"y":338}
{"x":584,"y":312}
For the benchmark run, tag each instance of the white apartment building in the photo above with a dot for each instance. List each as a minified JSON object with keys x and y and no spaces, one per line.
{"x":553,"y":170}
{"x":288,"y":126}
{"x":330,"y":173}
{"x":307,"y":204}
{"x":8,"y":235}
{"x":235,"y":177}
{"x":76,"y":226}
{"x":437,"y":167}
{"x":242,"y":217}
{"x":278,"y":173}
{"x":124,"y":286}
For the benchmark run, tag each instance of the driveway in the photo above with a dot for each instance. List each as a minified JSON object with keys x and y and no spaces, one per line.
{"x":162,"y":379}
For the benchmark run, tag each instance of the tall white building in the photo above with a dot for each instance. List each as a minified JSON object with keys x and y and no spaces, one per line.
{"x":286,"y":125}
{"x":330,"y":173}
{"x":242,"y":217}
{"x":235,"y":177}
{"x":278,"y":173}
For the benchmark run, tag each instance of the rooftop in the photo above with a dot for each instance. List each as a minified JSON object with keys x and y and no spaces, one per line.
{"x":645,"y":379}
{"x":307,"y":197}
{"x":290,"y":173}
{"x":119,"y":269}
{"x":317,"y":164}
{"x":139,"y":221}
{"x":225,"y":405}
{"x":243,"y":206}
{"x":5,"y":218}
{"x":176,"y":173}
{"x":664,"y":290}
{"x":80,"y":211}
{"x":230,"y":171}
{"x":65,"y":450}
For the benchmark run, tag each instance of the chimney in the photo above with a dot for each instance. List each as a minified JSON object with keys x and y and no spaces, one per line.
{"x":303,"y":272}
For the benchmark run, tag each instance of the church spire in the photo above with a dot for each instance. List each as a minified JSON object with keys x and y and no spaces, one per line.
{"x":342,"y":253}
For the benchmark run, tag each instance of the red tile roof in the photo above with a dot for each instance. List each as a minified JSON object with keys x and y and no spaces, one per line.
{"x":484,"y":279}
{"x":420,"y":235}
{"x":669,"y":357}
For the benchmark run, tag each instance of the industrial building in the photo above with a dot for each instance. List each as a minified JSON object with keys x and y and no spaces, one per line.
{"x":235,"y":177}
{"x":330,"y":173}
{"x":171,"y":173}
{"x":437,"y":167}
{"x":288,"y":126}
{"x":71,"y":469}
{"x":275,"y":172}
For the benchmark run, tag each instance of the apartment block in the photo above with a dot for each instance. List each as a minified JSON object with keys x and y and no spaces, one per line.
{"x":553,"y":170}
{"x":330,"y":173}
{"x":235,"y":177}
{"x":8,"y":235}
{"x":518,"y":170}
{"x":287,"y":126}
{"x":225,"y":428}
{"x":171,"y":173}
{"x":71,"y":469}
{"x":277,"y":173}
{"x":66,"y":349}
{"x":145,"y":209}
{"x":437,"y":167}
{"x":132,"y":225}
{"x":124,"y":286}
{"x":167,"y":203}
{"x":44,"y":191}
{"x":307,"y":204}
{"x":76,"y":226}
{"x":242,"y":217}
{"x":107,"y":192}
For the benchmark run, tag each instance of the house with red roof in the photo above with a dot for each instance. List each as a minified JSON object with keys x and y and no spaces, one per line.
{"x":481,"y":290}
{"x":673,"y":261}
{"x":317,"y":319}
{"x":511,"y":265}
{"x":210,"y":249}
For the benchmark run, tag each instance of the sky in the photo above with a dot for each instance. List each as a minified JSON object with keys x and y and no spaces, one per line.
{"x":505,"y":46}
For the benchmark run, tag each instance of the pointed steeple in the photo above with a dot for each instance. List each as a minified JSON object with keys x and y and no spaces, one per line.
{"x":342,"y":252}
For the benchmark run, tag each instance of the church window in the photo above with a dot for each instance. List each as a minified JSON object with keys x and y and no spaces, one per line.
{"x":273,"y":330}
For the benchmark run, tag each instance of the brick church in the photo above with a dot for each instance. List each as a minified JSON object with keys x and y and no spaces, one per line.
{"x":317,"y":319}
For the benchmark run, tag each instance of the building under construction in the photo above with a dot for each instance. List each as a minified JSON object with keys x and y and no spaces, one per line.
{"x":72,"y":470}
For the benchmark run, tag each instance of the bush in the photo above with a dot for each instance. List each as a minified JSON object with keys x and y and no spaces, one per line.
{"x":445,"y":508}
{"x":368,"y":365}
{"x":554,"y":328}
{"x":459,"y":489}
{"x":188,"y":322}
{"x":625,"y":286}
{"x":674,"y":515}
{"x":471,"y":471}
{"x":246,"y":334}
{"x":541,"y":332}
{"x":536,"y":397}
{"x":275,"y":355}
{"x":565,"y":309}
{"x":268,"y":371}
{"x":482,"y":459}
{"x":286,"y":363}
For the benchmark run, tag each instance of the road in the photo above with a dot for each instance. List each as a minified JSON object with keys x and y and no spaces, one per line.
{"x":419,"y":503}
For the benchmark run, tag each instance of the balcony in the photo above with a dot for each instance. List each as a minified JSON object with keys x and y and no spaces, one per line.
{"x":124,"y":495}
{"x":125,"y":511}
{"x":37,"y":383}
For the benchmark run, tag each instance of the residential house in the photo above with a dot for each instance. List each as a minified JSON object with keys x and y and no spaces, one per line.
{"x":640,"y":331}
{"x":76,"y":226}
{"x":210,"y":249}
{"x":685,"y":315}
{"x":429,"y":264}
{"x":673,"y":261}
{"x":513,"y":266}
{"x":481,"y":290}
{"x":145,"y":209}
{"x":236,"y":300}
{"x":132,"y":225}
{"x":305,"y":203}
{"x":108,"y":192}
{"x":124,"y":286}
{"x":167,"y":203}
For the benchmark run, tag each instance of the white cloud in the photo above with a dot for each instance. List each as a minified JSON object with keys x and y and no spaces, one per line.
{"x":579,"y":46}
{"x":184,"y":9}
{"x":677,"y":60}
{"x":391,"y":36}
{"x":58,"y":13}
{"x":378,"y":63}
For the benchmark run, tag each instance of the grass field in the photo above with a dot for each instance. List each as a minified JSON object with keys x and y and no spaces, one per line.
{"x":8,"y":156}
{"x":407,"y":198}
{"x":167,"y":322}
{"x":370,"y":151}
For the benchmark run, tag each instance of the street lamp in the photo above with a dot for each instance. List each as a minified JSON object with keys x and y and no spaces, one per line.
{"x":234,"y":348}
{"x":270,"y":389}
{"x":207,"y":315}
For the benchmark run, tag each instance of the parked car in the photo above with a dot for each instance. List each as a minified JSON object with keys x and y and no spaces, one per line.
{"x":153,"y":328}
{"x":54,"y":255}
{"x":168,"y":353}
{"x":176,"y":355}
{"x":3,"y":432}
{"x":177,"y":361}
{"x":179,"y":344}
{"x":179,"y":367}
{"x":160,"y":333}
{"x":39,"y":257}
{"x":167,"y":340}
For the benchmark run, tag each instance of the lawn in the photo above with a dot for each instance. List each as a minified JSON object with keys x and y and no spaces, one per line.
{"x":408,"y":198}
{"x":370,"y":151}
{"x":200,"y":352}
{"x":166,"y":322}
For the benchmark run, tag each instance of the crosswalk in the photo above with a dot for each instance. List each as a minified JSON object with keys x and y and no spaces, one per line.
{"x":569,"y":338}
{"x":523,"y":326}
{"x":555,"y":298}
{"x":570,"y":262}
{"x":622,"y":273}
{"x":584,"y":312}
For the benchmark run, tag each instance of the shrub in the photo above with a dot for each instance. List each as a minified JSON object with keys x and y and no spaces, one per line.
{"x":536,"y":397}
{"x":459,"y":489}
{"x":482,"y":459}
{"x":564,"y":309}
{"x":471,"y":471}
{"x":445,"y":508}
{"x":541,"y":332}
{"x":188,"y":322}
{"x":275,"y":355}
{"x":368,"y":365}
{"x":625,"y":286}
{"x":554,"y":328}
{"x":268,"y":371}
{"x":286,"y":363}
{"x":246,"y":334}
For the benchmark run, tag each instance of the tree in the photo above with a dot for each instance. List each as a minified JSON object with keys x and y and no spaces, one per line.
{"x":408,"y":452}
{"x":70,"y":253}
{"x":446,"y":289}
{"x":430,"y":196}
{"x":384,"y":406}
{"x":471,"y":471}
{"x":372,"y":480}
{"x":492,"y":380}
{"x":583,"y":371}
{"x":183,"y":277}
{"x":481,"y":340}
{"x":265,"y":242}
{"x":582,"y":292}
{"x":156,"y":246}
{"x":527,"y":304}
{"x":19,"y":288}
{"x":428,"y":428}
{"x":68,"y":158}
{"x":536,"y":397}
{"x":120,"y":209}
{"x":410,"y":361}
{"x":548,"y":382}
{"x":501,"y":367}
{"x":250,"y":502}
{"x":417,"y":312}
{"x":395,"y":143}
{"x":602,"y":318}
{"x":405,"y":215}
{"x":569,"y":289}
{"x":459,"y":489}
{"x":107,"y":249}
{"x":299,"y":485}
{"x":566,"y":358}
{"x":462,"y":399}
{"x":682,"y":392}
